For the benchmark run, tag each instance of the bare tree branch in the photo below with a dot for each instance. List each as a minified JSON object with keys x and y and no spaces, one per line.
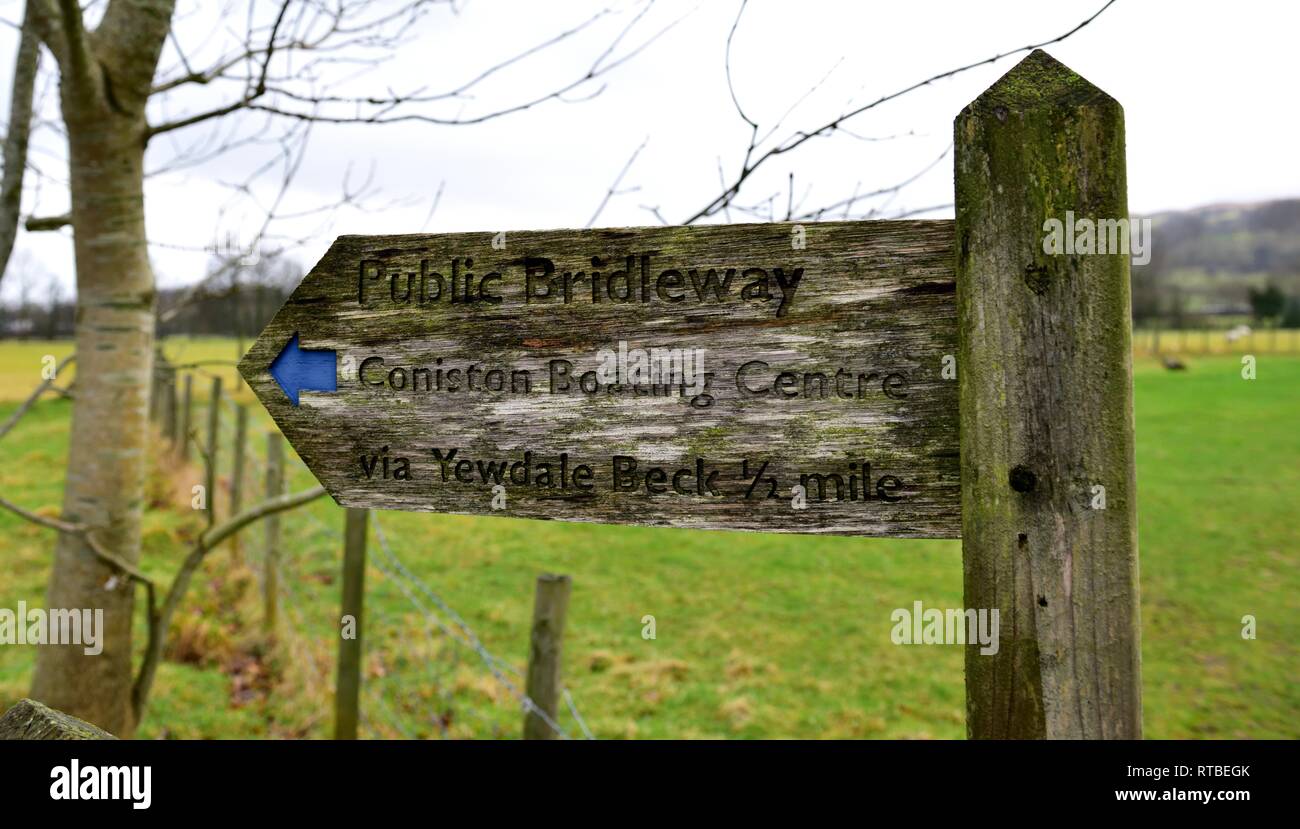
{"x":79,"y":60}
{"x":47,"y":20}
{"x":43,"y":224}
{"x":731,"y":87}
{"x":58,"y":524}
{"x":433,"y":206}
{"x":126,"y":46}
{"x":750,"y":163}
{"x":613,"y":188}
{"x":40,"y":520}
{"x":292,"y":152}
{"x":287,"y":102}
{"x":849,"y":203}
{"x":258,"y":89}
{"x":15,"y":148}
{"x":181,"y":582}
{"x":27,"y":404}
{"x":213,"y":537}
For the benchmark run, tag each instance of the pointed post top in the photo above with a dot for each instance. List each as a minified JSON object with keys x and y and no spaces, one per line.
{"x":1039,"y":81}
{"x":1044,"y":352}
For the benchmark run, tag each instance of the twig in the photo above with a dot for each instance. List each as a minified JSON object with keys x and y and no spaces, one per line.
{"x":34,"y":396}
{"x":47,"y":523}
{"x":799,"y":138}
{"x":613,"y":188}
{"x":209,"y":540}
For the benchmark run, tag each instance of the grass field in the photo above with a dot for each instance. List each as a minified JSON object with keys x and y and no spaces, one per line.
{"x":757,"y":635}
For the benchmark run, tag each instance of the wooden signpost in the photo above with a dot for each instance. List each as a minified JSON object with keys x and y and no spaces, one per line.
{"x":893,"y":378}
{"x":772,"y":358}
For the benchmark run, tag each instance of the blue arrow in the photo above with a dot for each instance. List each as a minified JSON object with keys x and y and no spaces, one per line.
{"x":296,"y":369}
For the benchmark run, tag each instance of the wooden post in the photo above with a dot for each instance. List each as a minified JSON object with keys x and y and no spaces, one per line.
{"x":1045,"y":376}
{"x":237,"y":471}
{"x":214,"y":445}
{"x":271,"y":560}
{"x":187,"y":402}
{"x":156,"y":388}
{"x":347,"y":689}
{"x":169,"y":406}
{"x":550,"y":606}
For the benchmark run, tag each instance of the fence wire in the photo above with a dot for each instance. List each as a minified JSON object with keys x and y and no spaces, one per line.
{"x":388,"y":699}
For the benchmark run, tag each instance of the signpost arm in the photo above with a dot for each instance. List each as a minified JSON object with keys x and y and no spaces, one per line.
{"x":1049,"y":517}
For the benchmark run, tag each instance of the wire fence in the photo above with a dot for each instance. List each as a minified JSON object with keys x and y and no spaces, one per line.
{"x":426,"y":673}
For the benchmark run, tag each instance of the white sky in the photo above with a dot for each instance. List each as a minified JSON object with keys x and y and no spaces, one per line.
{"x":1208,"y":92}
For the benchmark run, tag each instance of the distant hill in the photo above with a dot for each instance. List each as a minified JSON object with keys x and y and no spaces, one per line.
{"x":1205,"y":261}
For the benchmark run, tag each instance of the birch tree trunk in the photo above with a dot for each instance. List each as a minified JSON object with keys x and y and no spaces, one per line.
{"x":104,"y":83}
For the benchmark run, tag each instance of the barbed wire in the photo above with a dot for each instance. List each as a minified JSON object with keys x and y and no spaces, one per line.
{"x":417,"y":593}
{"x":466,"y":636}
{"x":375,"y":689}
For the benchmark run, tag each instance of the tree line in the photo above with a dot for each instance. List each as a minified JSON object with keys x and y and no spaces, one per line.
{"x":229,"y":302}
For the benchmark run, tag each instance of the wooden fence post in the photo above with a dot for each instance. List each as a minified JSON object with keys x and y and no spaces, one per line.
{"x":156,"y":388}
{"x":546,"y":644}
{"x":347,"y":689}
{"x":1049,"y":517}
{"x":238,"y":452}
{"x":271,"y":559}
{"x":187,"y":403}
{"x":170,"y":416}
{"x":214,"y":446}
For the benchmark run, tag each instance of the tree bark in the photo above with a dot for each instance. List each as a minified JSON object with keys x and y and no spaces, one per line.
{"x":107,"y":452}
{"x":15,"y":146}
{"x":104,"y":82}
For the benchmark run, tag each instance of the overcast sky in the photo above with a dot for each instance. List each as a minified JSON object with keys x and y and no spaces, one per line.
{"x":1207,"y":88}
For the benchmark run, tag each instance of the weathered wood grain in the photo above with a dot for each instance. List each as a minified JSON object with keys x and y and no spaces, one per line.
{"x":874,"y":297}
{"x":1047,"y":412}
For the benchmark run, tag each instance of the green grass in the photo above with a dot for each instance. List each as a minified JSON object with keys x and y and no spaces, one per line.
{"x":1219,"y":485}
{"x":757,"y":635}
